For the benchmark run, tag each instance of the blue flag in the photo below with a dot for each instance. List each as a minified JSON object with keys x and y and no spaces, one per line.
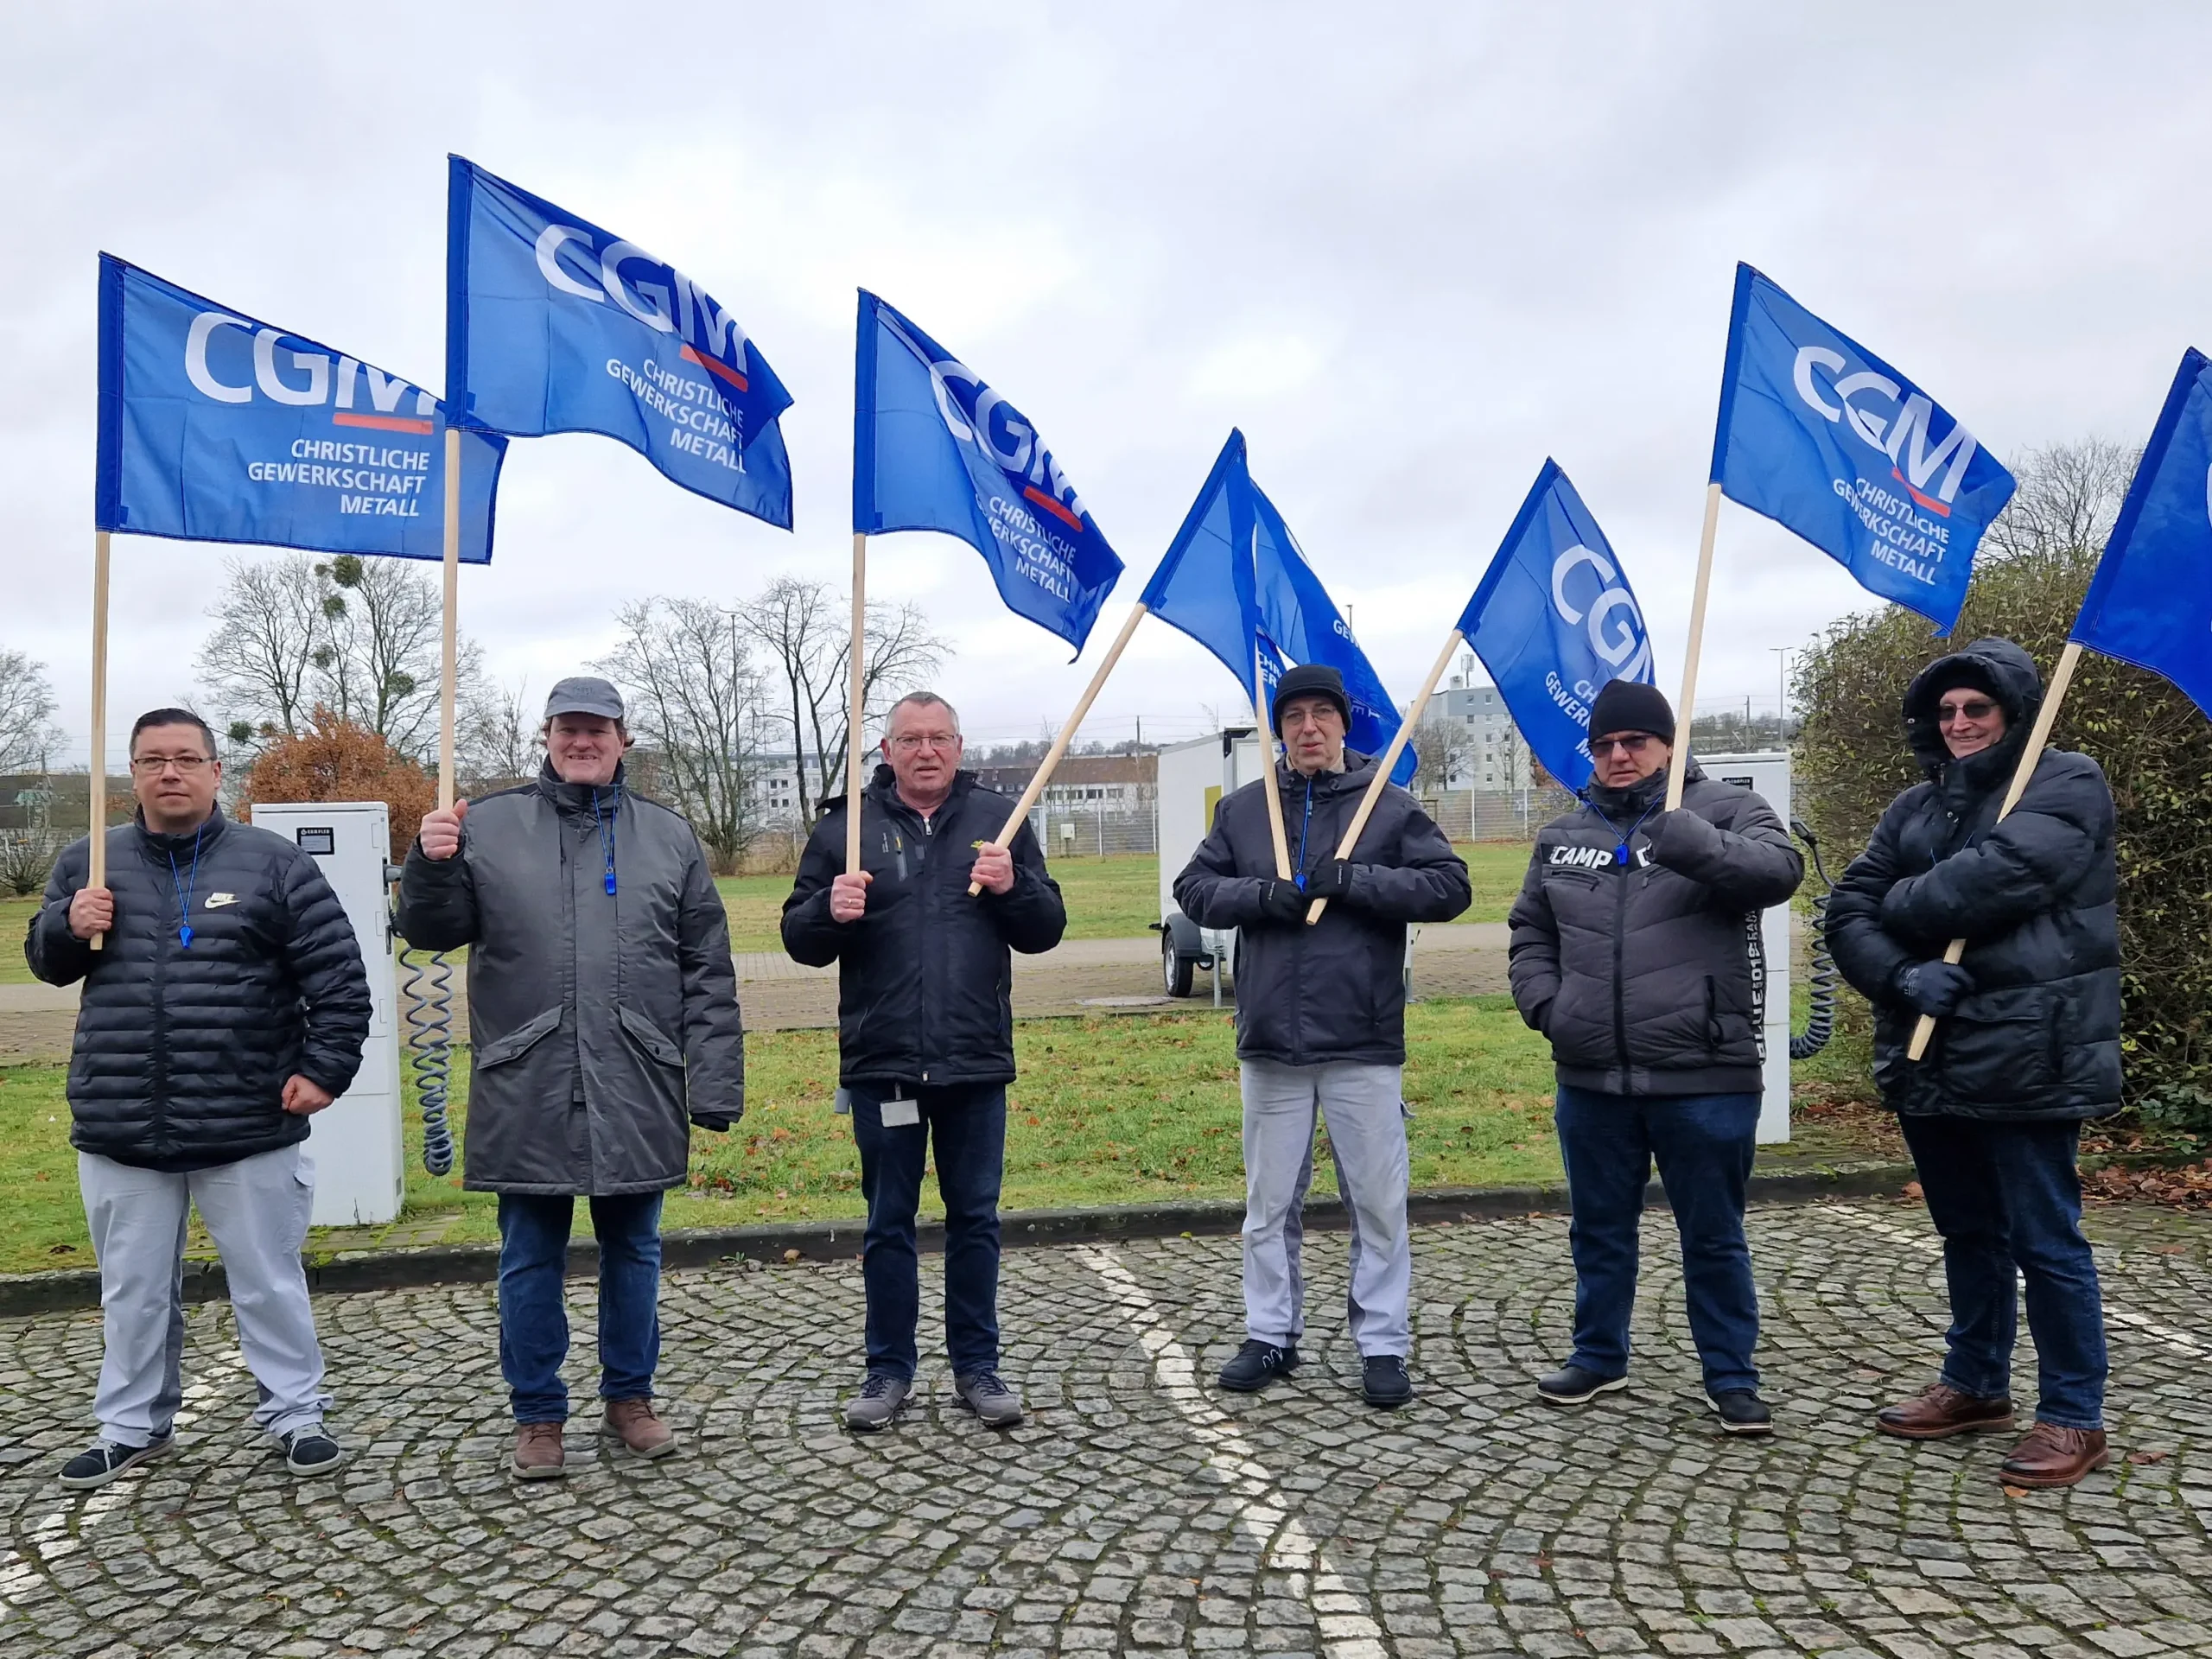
{"x":214,"y":427}
{"x":2151,"y":601}
{"x":1553,"y":620}
{"x":554,"y":325}
{"x":1236,"y":581}
{"x":934,"y":447}
{"x":1821,"y":435}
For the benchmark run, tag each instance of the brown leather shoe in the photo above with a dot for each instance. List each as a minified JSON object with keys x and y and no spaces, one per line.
{"x":539,"y":1452}
{"x":639,"y":1429}
{"x":2051,"y":1456}
{"x":1939,"y":1411}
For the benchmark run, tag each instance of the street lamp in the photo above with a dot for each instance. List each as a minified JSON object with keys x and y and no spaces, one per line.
{"x":1781,"y":696}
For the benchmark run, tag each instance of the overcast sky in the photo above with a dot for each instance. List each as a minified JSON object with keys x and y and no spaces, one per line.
{"x":1411,"y":250}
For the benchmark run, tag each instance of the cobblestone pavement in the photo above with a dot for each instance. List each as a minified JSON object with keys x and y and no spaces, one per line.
{"x":1140,"y":1511}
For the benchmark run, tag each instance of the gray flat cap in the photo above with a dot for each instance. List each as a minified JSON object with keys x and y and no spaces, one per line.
{"x":585,"y":694}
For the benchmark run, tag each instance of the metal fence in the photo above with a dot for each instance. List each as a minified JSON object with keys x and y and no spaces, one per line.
{"x":1071,"y":832}
{"x":1498,"y":814}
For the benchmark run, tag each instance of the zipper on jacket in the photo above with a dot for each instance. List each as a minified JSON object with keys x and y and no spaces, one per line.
{"x":1620,"y":987}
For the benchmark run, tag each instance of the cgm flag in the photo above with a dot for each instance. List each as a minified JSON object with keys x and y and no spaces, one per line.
{"x":1821,"y":435}
{"x":2151,"y":601}
{"x":934,"y":447}
{"x":214,"y":427}
{"x":554,"y":325}
{"x":1553,"y":620}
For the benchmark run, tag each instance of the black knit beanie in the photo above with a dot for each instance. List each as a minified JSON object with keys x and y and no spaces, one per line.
{"x":1631,"y":706}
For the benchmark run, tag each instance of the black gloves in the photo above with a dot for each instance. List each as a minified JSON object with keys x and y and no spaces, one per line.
{"x":1934,"y":987}
{"x":1330,"y":879}
{"x":720,"y":1122}
{"x":1281,"y":905}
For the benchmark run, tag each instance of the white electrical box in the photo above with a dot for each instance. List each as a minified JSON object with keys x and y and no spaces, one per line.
{"x":1767,"y":776}
{"x":359,"y":1166}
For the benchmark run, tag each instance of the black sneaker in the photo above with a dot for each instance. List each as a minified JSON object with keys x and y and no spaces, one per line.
{"x":998,"y":1406}
{"x":1741,"y":1411}
{"x":1256,"y":1364}
{"x":104,"y":1461}
{"x":1572,"y":1385}
{"x":1384,"y":1381}
{"x":311,"y":1452}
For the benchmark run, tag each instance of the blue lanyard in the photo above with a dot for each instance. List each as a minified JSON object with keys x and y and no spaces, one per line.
{"x":1620,"y":853}
{"x":605,"y":828}
{"x":182,"y":887}
{"x":1305,"y":826}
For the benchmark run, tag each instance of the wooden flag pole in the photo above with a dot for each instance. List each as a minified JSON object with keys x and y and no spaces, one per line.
{"x":449,"y":645}
{"x":1685,"y":707}
{"x":2038,"y":736}
{"x":1384,"y":767}
{"x":1044,"y":772}
{"x":96,"y":790}
{"x":856,"y":695}
{"x":1265,"y":721}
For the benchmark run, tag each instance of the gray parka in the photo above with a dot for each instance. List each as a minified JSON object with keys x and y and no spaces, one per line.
{"x":601,"y":1021}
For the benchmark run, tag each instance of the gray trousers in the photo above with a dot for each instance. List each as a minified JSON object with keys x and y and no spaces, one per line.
{"x":256,"y":1211}
{"x":1364,"y":1107}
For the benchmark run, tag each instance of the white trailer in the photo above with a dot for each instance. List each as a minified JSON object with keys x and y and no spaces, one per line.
{"x":1767,"y":775}
{"x":1193,"y":778}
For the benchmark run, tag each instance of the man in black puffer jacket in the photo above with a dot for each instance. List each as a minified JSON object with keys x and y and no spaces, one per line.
{"x":925,"y":1034}
{"x":1632,"y":951}
{"x":1321,"y":1022}
{"x":2026,"y":1047}
{"x":227,"y":1004}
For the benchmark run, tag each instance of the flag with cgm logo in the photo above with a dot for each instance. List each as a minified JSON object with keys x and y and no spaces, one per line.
{"x":1821,"y":435}
{"x":2150,"y":602}
{"x":554,"y":325}
{"x":214,"y":427}
{"x":934,"y":447}
{"x":1553,"y":619}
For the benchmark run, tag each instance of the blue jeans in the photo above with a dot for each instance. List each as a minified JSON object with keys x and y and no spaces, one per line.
{"x":967,"y":1126}
{"x":2007,"y":1200}
{"x":1703,"y":1144}
{"x":533,"y":1323}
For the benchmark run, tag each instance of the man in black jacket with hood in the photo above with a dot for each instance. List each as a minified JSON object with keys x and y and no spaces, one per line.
{"x":1632,"y":950}
{"x":1321,"y":1023}
{"x":226,"y":1006}
{"x":926,"y":1034}
{"x":2026,"y":1047}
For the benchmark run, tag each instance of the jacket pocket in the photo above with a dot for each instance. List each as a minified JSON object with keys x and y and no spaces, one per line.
{"x":1999,"y":1046}
{"x":501,"y":1050}
{"x":648,"y":1036}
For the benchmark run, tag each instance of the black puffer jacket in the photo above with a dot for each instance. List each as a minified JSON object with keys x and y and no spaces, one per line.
{"x":2034,"y":898}
{"x":183,"y":1053}
{"x":925,"y":979}
{"x":1643,"y":974}
{"x":1335,"y":991}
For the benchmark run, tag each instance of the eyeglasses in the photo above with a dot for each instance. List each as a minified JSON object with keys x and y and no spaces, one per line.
{"x":911,"y":742}
{"x":152,"y":766}
{"x":1634,"y":743}
{"x":1950,"y":712}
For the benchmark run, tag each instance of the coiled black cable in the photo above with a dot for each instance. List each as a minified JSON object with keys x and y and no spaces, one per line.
{"x":1820,"y":1021}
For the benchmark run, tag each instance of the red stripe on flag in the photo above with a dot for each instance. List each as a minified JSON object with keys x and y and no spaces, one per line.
{"x":384,"y":423}
{"x":713,"y":367}
{"x":1059,"y":510}
{"x":1936,"y":507}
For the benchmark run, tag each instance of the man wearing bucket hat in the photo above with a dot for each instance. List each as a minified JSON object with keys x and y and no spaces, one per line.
{"x":603,"y":1017}
{"x":1321,"y":1023}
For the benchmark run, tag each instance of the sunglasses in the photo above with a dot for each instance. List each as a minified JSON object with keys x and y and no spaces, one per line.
{"x":1635,"y":743}
{"x":1979,"y":708}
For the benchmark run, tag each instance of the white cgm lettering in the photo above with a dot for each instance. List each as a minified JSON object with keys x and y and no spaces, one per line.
{"x":1617,"y":644}
{"x":549,"y":243}
{"x":940,"y":375}
{"x":988,"y":402}
{"x":264,"y":371}
{"x":654,"y":304}
{"x":1566,"y":561}
{"x":1868,"y":425}
{"x":1809,"y":388}
{"x":1920,"y":462}
{"x":195,"y":359}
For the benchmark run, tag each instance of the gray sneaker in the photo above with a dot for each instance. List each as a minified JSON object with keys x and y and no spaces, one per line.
{"x":998,"y":1406}
{"x":881,"y":1398}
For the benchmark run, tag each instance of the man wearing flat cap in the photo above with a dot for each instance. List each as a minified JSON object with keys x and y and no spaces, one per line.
{"x":1321,"y":1023}
{"x":603,"y":1022}
{"x":1631,"y":951}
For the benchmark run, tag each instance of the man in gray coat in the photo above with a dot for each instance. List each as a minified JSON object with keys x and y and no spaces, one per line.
{"x":603,"y":1012}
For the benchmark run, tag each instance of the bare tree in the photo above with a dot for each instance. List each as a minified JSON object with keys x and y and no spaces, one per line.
{"x":1447,"y":751}
{"x":27,"y":730}
{"x":698,"y":707}
{"x":2069,"y":495}
{"x":501,"y":743}
{"x":804,"y":628}
{"x":259,"y":664}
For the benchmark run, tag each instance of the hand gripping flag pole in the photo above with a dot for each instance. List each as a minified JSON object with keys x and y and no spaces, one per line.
{"x":855,"y":700}
{"x":1381,"y":780}
{"x":449,"y":623}
{"x":96,"y":777}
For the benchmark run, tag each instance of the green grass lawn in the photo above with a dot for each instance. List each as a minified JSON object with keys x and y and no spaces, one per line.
{"x":1110,"y":1110}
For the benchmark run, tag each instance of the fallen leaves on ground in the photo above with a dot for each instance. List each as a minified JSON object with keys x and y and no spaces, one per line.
{"x":2185,"y":1185}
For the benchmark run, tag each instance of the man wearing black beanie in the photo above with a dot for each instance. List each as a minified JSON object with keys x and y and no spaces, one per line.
{"x":1631,"y":951}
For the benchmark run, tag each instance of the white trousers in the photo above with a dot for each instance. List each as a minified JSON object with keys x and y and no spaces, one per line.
{"x":1364,"y":1107}
{"x":256,"y":1212}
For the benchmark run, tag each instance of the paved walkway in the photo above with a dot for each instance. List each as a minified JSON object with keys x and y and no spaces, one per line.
{"x":1140,"y":1510}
